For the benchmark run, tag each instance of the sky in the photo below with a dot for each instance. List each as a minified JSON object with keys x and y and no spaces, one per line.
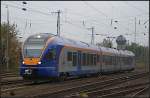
{"x":77,"y":17}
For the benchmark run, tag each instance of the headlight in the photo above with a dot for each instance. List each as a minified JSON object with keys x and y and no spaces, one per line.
{"x":23,"y":62}
{"x":39,"y":62}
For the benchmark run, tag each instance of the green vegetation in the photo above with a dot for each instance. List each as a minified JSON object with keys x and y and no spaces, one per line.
{"x":141,"y":52}
{"x":105,"y":43}
{"x":14,"y":47}
{"x":141,"y":55}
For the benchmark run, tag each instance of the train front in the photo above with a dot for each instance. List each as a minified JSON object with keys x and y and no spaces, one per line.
{"x":34,"y":65}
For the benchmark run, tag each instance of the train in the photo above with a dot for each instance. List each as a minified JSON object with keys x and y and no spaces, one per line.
{"x":47,"y":56}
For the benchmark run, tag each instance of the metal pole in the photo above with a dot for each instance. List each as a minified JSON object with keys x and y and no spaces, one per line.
{"x":92,"y":36}
{"x":135,"y":31}
{"x":135,"y":40}
{"x":7,"y":38}
{"x":148,"y":65}
{"x":145,"y":56}
{"x":58,"y":23}
{"x":92,"y":41}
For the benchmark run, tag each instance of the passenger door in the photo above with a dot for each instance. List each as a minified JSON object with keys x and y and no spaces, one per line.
{"x":50,"y":57}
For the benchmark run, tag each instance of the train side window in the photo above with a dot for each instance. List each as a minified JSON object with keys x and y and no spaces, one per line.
{"x":94,"y":59}
{"x":130,"y":60}
{"x":111,"y":60}
{"x":122,"y":60}
{"x":88,"y":59}
{"x":125,"y":60}
{"x":103,"y":59}
{"x":84,"y":58}
{"x":108,"y":60}
{"x":115,"y":60}
{"x":79,"y":57}
{"x":74,"y":58}
{"x":98,"y":59}
{"x":69,"y":56}
{"x":118,"y":60}
{"x":91,"y":59}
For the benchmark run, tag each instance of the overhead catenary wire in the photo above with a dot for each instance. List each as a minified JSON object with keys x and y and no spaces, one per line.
{"x":80,"y":15}
{"x":29,"y":9}
{"x":82,"y":27}
{"x":40,"y":13}
{"x":100,"y":12}
{"x":49,"y":14}
{"x":133,"y":6}
{"x":95,"y":9}
{"x":100,"y":23}
{"x":47,"y":20}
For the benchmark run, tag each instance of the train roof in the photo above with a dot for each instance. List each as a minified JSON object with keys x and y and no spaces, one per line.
{"x":126,"y":53}
{"x":80,"y":44}
{"x":74,"y":43}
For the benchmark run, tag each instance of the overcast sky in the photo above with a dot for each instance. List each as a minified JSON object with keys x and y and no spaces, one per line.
{"x":77,"y":16}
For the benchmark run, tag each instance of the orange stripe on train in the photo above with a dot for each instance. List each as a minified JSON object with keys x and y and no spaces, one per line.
{"x":85,"y":49}
{"x":31,"y":61}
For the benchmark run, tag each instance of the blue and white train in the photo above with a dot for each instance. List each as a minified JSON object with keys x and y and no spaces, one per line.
{"x":45,"y":55}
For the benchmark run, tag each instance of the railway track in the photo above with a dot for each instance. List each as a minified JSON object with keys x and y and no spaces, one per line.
{"x":107,"y":88}
{"x":14,"y":84}
{"x":68,"y":81}
{"x":129,"y":89}
{"x":71,"y":86}
{"x":8,"y":74}
{"x":109,"y":91}
{"x":140,"y":92}
{"x":69,"y":90}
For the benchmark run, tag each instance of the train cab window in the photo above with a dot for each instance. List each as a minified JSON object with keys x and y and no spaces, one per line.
{"x":51,"y":54}
{"x":69,"y":56}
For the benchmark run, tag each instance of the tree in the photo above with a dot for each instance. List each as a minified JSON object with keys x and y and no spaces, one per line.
{"x":13,"y":46}
{"x":141,"y":52}
{"x":106,"y":43}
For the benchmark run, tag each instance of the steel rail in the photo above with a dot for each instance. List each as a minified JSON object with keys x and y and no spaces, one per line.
{"x":139,"y":92}
{"x":89,"y":85}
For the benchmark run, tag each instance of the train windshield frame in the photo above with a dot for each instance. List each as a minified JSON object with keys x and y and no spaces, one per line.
{"x":33,"y":47}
